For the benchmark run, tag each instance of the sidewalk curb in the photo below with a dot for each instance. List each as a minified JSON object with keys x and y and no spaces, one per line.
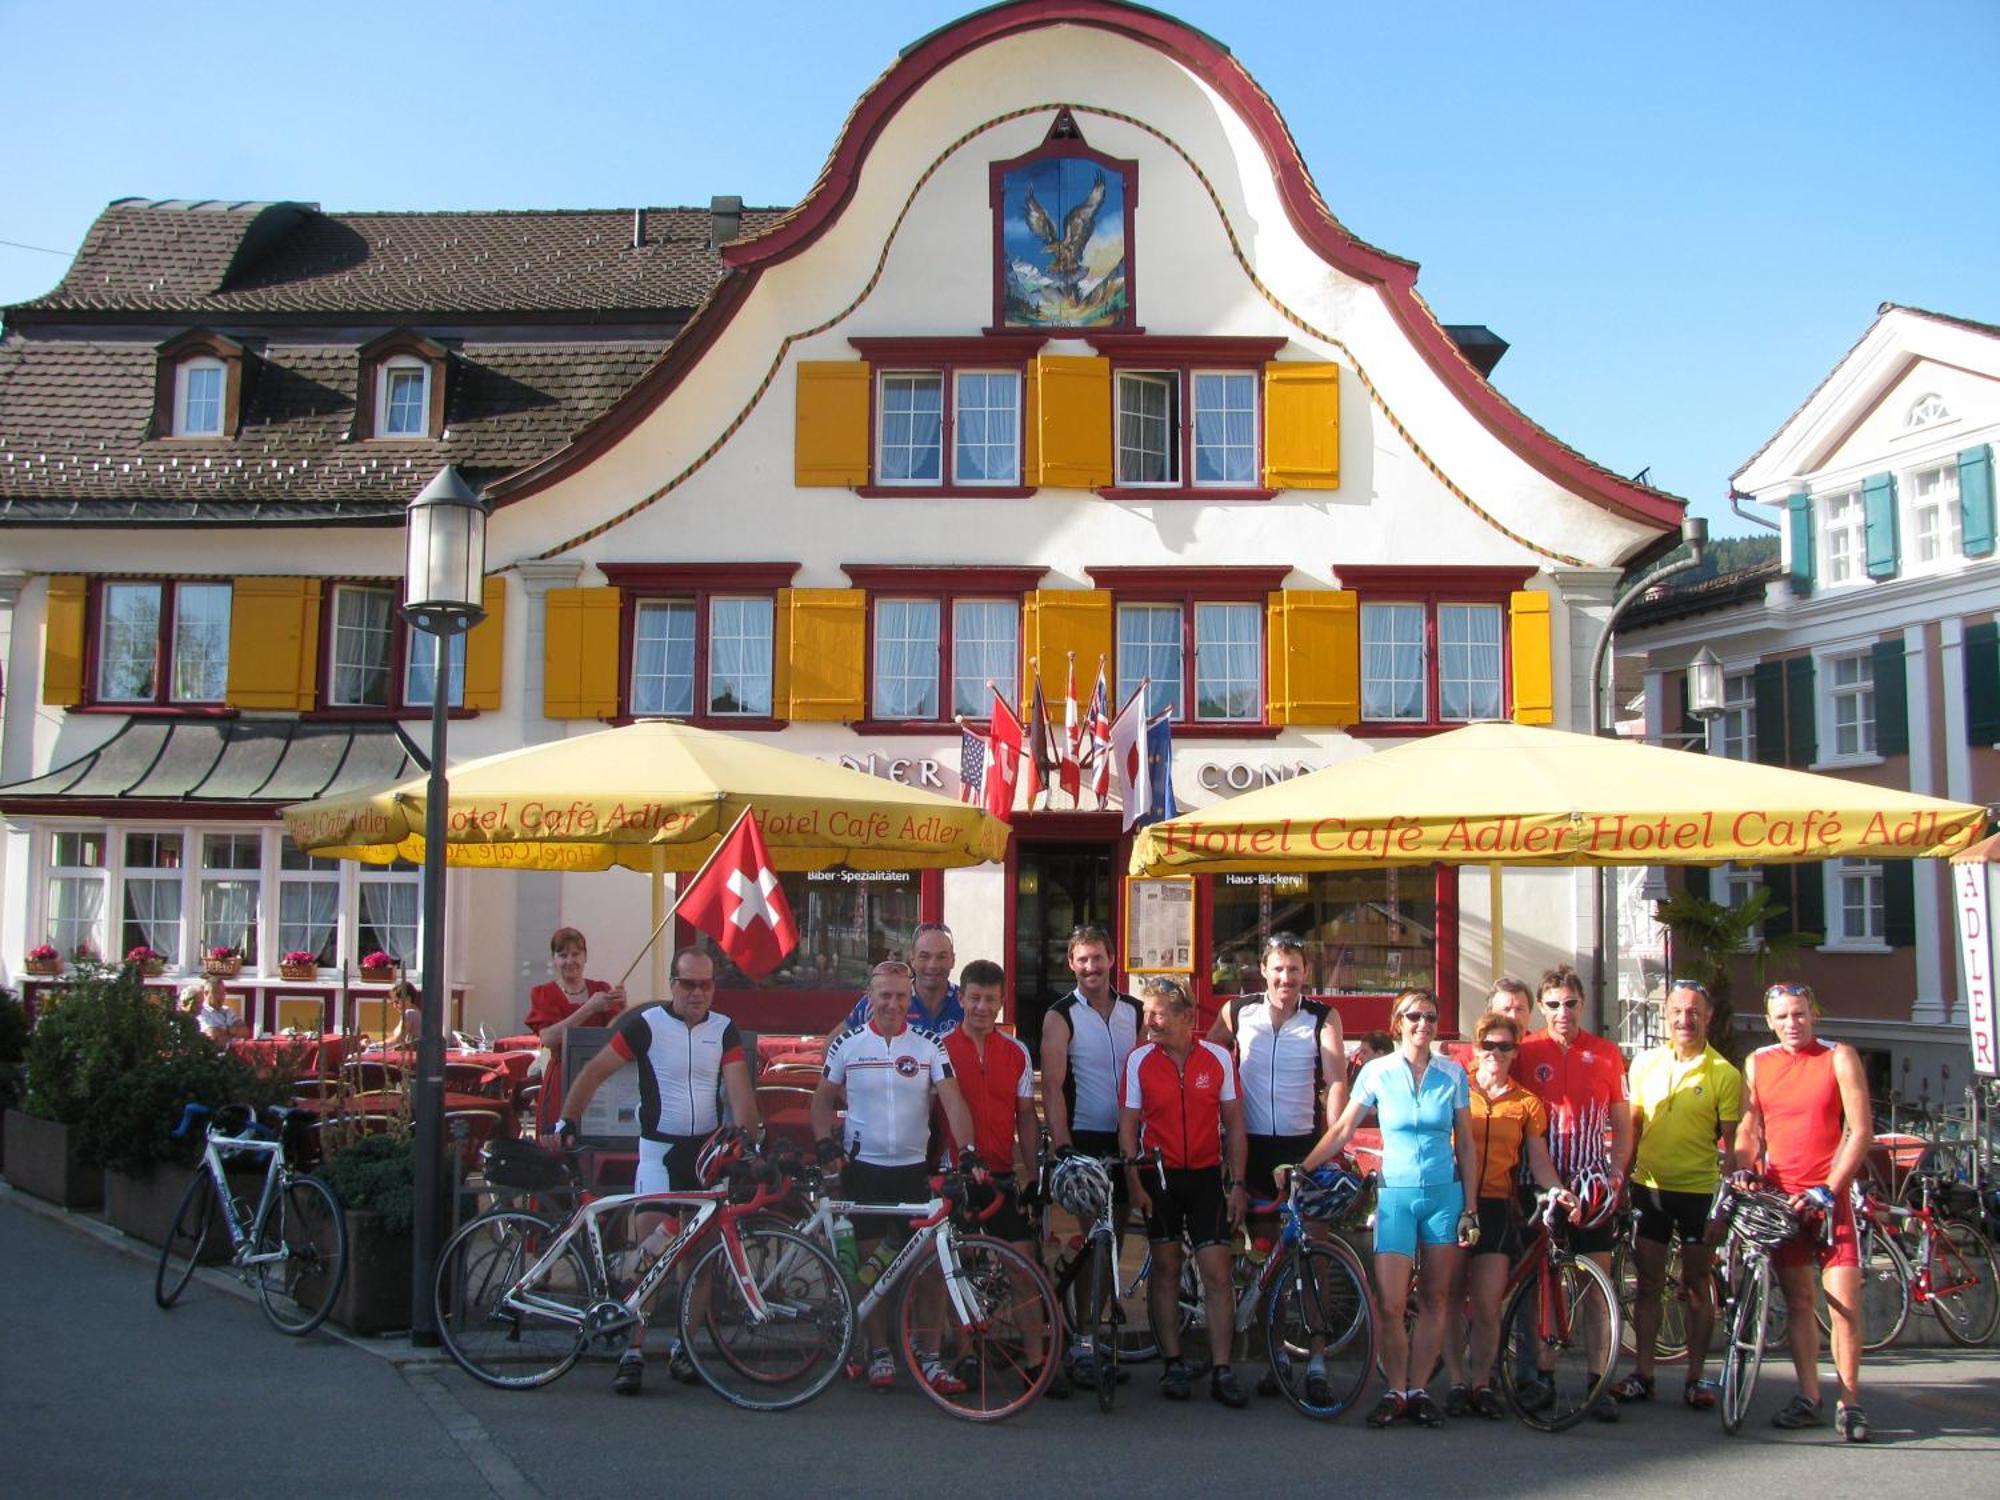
{"x":389,"y":1349}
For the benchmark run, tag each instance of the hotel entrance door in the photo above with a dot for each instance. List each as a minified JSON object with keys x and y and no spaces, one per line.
{"x":1058,"y":885}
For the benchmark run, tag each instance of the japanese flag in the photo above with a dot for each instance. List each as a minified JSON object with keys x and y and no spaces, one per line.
{"x":736,"y":899}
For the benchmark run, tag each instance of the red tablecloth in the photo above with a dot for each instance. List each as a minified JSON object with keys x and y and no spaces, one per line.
{"x":499,"y":1074}
{"x":393,"y":1101}
{"x":527,"y":1042}
{"x":300,"y":1053}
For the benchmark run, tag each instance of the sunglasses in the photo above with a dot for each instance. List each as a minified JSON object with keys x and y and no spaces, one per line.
{"x":1561,"y":1004}
{"x":1421,"y":1017}
{"x":693,"y":984}
{"x":1498,"y":1046}
{"x":1804,"y":992}
{"x":1688,"y":984}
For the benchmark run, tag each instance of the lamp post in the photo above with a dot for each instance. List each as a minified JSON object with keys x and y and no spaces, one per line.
{"x":442,"y":594}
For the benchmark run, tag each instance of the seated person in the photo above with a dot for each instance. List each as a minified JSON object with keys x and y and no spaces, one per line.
{"x":217,"y":1021}
{"x":409,"y":1018}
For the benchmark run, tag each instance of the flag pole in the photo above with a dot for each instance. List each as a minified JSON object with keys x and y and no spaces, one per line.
{"x":681,"y":888}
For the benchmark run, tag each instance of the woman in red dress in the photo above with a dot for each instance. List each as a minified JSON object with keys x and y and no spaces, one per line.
{"x":565,"y":1001}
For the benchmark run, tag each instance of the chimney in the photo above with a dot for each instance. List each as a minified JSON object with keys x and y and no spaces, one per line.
{"x":638,"y":228}
{"x":725,"y":220}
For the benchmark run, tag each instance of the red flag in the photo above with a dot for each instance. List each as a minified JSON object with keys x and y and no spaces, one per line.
{"x":1042,"y":756}
{"x":1003,"y":759}
{"x":736,"y":899}
{"x":1070,"y":771}
{"x":1098,"y":725}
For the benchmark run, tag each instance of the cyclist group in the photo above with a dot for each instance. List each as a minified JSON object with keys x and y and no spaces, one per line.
{"x":1230,"y":1113}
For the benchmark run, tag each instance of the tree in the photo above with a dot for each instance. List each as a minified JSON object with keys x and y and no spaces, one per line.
{"x":1708,"y":940}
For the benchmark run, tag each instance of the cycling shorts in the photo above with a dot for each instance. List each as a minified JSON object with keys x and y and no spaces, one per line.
{"x":1009,"y":1221}
{"x":1268,"y":1152}
{"x":1192,"y":1206}
{"x":1411,"y":1216}
{"x":864,"y":1182}
{"x":1845,"y":1249}
{"x":1664,"y":1213}
{"x":668,"y":1166}
{"x":1501,"y":1231}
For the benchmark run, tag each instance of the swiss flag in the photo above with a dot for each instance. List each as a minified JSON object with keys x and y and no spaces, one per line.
{"x":736,"y":899}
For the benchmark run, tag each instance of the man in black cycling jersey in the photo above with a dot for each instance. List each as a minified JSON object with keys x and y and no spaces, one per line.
{"x":688,"y":1059}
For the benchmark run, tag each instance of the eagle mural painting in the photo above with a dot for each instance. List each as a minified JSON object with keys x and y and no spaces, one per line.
{"x":1063,"y":236}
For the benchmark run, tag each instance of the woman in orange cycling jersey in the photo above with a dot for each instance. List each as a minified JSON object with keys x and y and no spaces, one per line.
{"x":1508,"y":1123}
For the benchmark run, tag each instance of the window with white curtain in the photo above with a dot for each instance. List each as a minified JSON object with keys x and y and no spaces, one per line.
{"x":1149,"y":648}
{"x":308,"y":904}
{"x":1393,"y":662}
{"x":232,"y":889}
{"x":1225,"y":427}
{"x":363,"y":633}
{"x":985,"y":646}
{"x":1228,"y":663}
{"x":154,"y":877}
{"x":906,"y":658}
{"x":663,"y":658}
{"x":391,"y":898}
{"x":911,"y":445}
{"x":739,"y":655}
{"x":1469,"y":684}
{"x":75,"y":921}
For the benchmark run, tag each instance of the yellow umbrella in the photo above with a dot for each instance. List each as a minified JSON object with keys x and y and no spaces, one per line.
{"x":1510,"y":794}
{"x":653,"y":796}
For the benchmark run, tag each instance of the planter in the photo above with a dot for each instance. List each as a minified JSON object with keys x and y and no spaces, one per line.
{"x":376,"y":1295}
{"x":153,"y":968}
{"x":298,"y":973}
{"x":144,"y":1206}
{"x":222,"y":968}
{"x":47,"y":968}
{"x":44,"y":1162}
{"x":378,"y":974}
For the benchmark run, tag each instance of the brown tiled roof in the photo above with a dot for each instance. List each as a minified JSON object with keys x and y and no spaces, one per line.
{"x":209,"y":261}
{"x":74,"y":417}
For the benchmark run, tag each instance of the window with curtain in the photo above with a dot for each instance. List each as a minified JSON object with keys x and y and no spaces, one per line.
{"x":1228,"y":662}
{"x":906,"y":658}
{"x":308,"y":904}
{"x":1148,"y":428}
{"x":986,"y":427}
{"x":663,"y":658}
{"x":1469,"y":684}
{"x":985,"y":645}
{"x":739,"y":655}
{"x":75,"y":924}
{"x":1225,"y":428}
{"x":201,"y":642}
{"x":363,"y":634}
{"x":911,"y":448}
{"x":423,"y":668}
{"x":232,"y":889}
{"x":391,"y":900}
{"x":1392,"y":662}
{"x":152,"y":895}
{"x":1149,"y":646}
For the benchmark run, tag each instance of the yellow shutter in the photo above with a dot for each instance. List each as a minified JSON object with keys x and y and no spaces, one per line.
{"x":580,"y":654}
{"x":274,"y":643}
{"x":1301,"y":426}
{"x":1069,"y":417}
{"x":1314,"y":656}
{"x":830,"y":437}
{"x":823,"y":635}
{"x":1055,"y":622}
{"x":1533,"y":645}
{"x":486,"y":647}
{"x":62,"y":653}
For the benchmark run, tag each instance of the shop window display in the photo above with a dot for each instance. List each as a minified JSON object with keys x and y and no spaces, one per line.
{"x":1367,"y":932}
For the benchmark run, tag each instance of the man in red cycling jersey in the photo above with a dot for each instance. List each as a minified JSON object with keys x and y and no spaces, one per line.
{"x":1181,"y":1093}
{"x":997,"y":1077}
{"x":1807,"y":1126}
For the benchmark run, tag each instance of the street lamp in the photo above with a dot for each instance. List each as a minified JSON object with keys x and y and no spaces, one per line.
{"x":1705,"y":685}
{"x":442,"y":596}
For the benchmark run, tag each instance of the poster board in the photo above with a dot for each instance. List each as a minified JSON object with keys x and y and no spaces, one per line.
{"x":1159,"y":925}
{"x":612,"y":1121}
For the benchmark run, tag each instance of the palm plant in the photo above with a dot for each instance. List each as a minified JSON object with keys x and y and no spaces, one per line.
{"x":1709,"y":939}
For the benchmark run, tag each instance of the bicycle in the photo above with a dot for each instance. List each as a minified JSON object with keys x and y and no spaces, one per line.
{"x":973,"y":1303}
{"x":1760,"y":1223}
{"x":1558,"y":1308}
{"x":292,"y":1246}
{"x":1675,"y":1296}
{"x":763,"y":1313}
{"x":1949,"y":1268}
{"x":1087,"y":1285}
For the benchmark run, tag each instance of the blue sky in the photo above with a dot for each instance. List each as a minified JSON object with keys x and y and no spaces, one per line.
{"x":1679,"y":215}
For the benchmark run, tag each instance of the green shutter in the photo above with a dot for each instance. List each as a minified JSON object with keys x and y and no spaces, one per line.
{"x":1892,"y":698}
{"x":1878,"y":510}
{"x":1800,"y":508}
{"x":1777,"y":879}
{"x":1809,"y":898}
{"x":1982,"y":683}
{"x":1768,"y":686}
{"x":1899,"y":903}
{"x":1975,"y":500}
{"x":1693,"y":734}
{"x":1800,"y":745}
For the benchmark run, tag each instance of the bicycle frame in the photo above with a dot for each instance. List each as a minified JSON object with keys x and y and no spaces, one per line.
{"x":242,"y":1234}
{"x":1873,"y":1216}
{"x":934,"y":1231}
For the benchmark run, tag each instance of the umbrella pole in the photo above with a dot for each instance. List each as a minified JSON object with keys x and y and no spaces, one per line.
{"x":659,"y":884}
{"x":1496,"y":921}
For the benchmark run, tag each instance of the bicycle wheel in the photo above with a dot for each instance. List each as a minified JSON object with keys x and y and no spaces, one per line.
{"x":1964,"y":1296}
{"x":1317,"y":1311}
{"x":306,"y":1232}
{"x":1885,"y":1294}
{"x":1103,"y":1323}
{"x":185,"y":1241}
{"x":1569,"y":1339}
{"x":492,"y":1335}
{"x":1743,"y":1354}
{"x":1002,"y":1358}
{"x":791,"y":1350}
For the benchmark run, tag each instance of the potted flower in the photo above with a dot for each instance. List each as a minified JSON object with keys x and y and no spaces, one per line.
{"x":225,"y":960}
{"x":378,"y":967}
{"x":148,"y":961}
{"x":299,"y":965}
{"x":44,"y":959}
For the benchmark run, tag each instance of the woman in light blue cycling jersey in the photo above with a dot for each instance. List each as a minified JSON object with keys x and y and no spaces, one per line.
{"x":1421,"y":1102}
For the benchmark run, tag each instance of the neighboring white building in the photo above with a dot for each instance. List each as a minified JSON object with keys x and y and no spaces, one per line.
{"x":1869,"y":652}
{"x":928,"y":427}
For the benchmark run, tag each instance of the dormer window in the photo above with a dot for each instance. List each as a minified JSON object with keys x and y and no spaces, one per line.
{"x":401,"y":393}
{"x":198,"y":387}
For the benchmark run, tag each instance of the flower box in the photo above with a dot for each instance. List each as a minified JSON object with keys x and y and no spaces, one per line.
{"x":223,"y":968}
{"x":48,"y":968}
{"x":299,"y":973}
{"x":378,"y":973}
{"x":43,"y":1160}
{"x":152,"y":968}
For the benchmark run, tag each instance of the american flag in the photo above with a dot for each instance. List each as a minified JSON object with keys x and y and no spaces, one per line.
{"x":1097,"y":740}
{"x":971,"y":767}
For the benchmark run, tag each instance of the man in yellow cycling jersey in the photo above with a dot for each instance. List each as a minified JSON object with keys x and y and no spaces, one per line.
{"x":1686,"y":1099}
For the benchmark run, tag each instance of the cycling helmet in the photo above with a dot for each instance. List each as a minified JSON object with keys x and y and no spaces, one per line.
{"x":719,"y":1153}
{"x":1081,"y":1185}
{"x":1325,"y":1193}
{"x":1765,"y":1219}
{"x":1596,"y":1198}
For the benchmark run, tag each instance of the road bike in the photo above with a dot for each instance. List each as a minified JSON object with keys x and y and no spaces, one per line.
{"x":1560,"y":1319}
{"x":763,"y":1313}
{"x":1760,"y":1224}
{"x":291,"y":1245}
{"x":1676,"y":1293}
{"x":1087,"y":1283}
{"x":1917,"y":1257}
{"x":977,"y":1306}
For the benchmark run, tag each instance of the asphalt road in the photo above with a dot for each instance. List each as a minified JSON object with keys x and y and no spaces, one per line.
{"x":105,"y":1395}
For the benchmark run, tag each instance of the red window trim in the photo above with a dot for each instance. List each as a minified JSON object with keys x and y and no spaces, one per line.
{"x":398,"y":707}
{"x":1188,"y":587}
{"x":698,"y":583}
{"x":160,"y":705}
{"x":1184,"y":356}
{"x":947,"y":585}
{"x":1430,"y":587}
{"x":946,"y":357}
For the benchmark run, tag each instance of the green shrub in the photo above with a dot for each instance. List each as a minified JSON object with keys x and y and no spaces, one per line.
{"x":376,"y":1172}
{"x":120,"y":1067}
{"x":13,"y":1047}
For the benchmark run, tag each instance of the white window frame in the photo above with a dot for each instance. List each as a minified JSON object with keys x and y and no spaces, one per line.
{"x":1855,"y":699}
{"x":1843,"y":537}
{"x":1472,"y":683}
{"x":1221,"y":612}
{"x":1865,"y":876}
{"x":955,"y":422}
{"x":1931,"y":521}
{"x":1169,"y":423}
{"x":884,"y":383}
{"x":336,"y":632}
{"x":1927,"y":410}
{"x":980,"y":702}
{"x":1733,"y":734}
{"x":1251,"y":381}
{"x":753,"y":709}
{"x":174,"y":876}
{"x":385,"y":403}
{"x":184,"y":417}
{"x":663,"y":682}
{"x":97,"y":935}
{"x":306,"y":877}
{"x":1733,"y":885}
{"x":889,"y":696}
{"x":1165,"y":693}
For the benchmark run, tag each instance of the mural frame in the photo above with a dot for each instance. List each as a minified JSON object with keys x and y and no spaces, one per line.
{"x":1063,"y":143}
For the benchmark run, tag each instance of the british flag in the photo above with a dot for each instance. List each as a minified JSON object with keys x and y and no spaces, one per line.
{"x":1097,"y":740}
{"x":971,"y":767}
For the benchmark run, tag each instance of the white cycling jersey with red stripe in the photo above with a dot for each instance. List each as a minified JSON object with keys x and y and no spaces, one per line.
{"x":1180,"y":1101}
